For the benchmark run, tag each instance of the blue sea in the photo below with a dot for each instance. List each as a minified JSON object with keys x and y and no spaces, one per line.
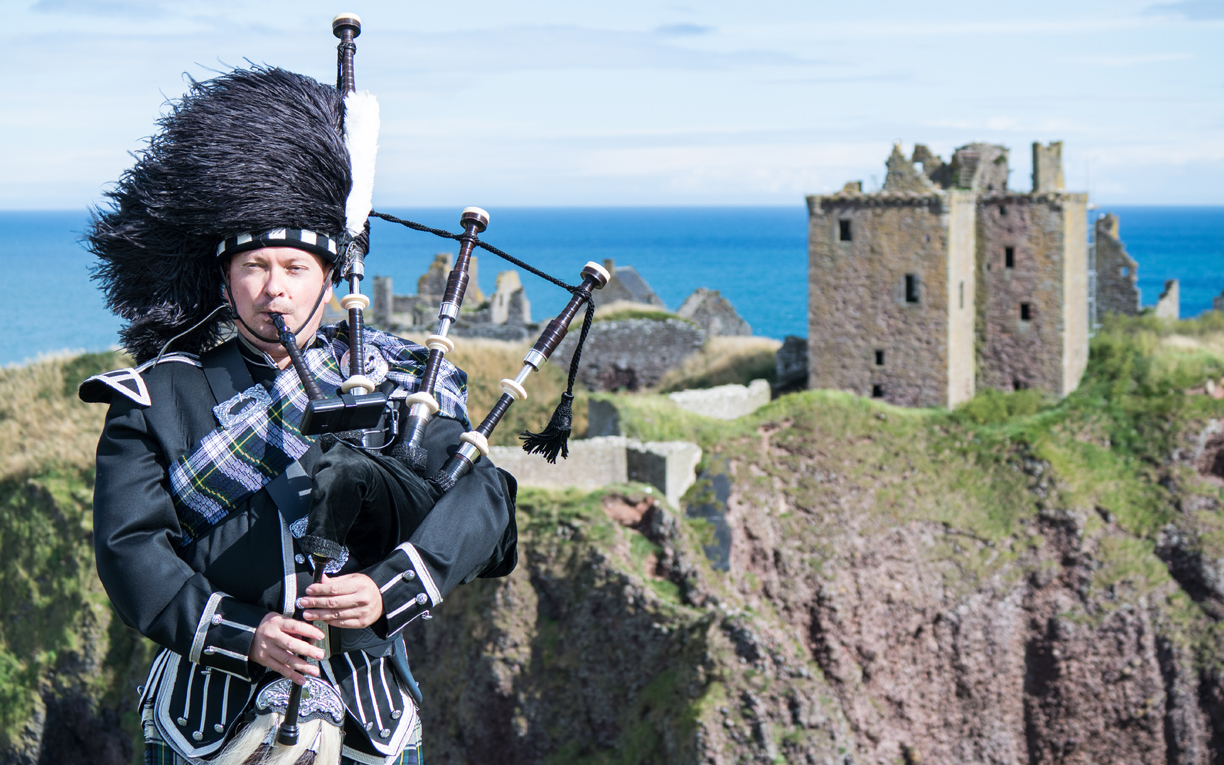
{"x":756,"y":256}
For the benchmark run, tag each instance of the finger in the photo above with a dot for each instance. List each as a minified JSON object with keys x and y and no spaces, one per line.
{"x":288,"y":671}
{"x":352,"y":622}
{"x":339,"y":586}
{"x":336,"y":602}
{"x":289,"y":664}
{"x":339,"y":617}
{"x":282,"y":665}
{"x":353,"y":618}
{"x":300,"y":648}
{"x":295,"y":628}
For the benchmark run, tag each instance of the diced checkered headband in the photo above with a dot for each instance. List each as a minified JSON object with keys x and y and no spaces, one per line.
{"x":303,"y":239}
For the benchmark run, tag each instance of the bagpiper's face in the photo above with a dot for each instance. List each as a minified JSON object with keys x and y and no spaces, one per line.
{"x":278,"y":280}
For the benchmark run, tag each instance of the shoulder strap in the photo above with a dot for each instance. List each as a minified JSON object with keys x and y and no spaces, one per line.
{"x":227,"y":373}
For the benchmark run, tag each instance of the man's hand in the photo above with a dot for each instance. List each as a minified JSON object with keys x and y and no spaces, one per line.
{"x":351,"y":601}
{"x":281,"y":644}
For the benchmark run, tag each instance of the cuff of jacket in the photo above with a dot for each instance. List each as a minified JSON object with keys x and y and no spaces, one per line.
{"x":408,"y":590}
{"x":224,"y":634}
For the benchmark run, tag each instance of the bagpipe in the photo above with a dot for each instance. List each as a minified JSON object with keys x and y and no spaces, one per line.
{"x":346,"y":517}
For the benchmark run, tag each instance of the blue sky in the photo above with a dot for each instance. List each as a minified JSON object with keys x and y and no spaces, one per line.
{"x":646,"y":103}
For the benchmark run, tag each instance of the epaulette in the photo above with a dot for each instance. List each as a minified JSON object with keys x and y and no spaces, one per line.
{"x":100,"y":388}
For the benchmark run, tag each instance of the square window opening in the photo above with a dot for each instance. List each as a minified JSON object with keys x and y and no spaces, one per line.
{"x":1018,"y":384}
{"x":1002,"y":209}
{"x":1026,"y":311}
{"x":911,"y":288}
{"x":879,"y":356}
{"x":877,"y":391}
{"x":1125,"y":270}
{"x":843,"y":231}
{"x":1009,"y":257}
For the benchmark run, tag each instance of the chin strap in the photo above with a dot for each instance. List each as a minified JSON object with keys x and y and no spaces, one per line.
{"x":229,"y":297}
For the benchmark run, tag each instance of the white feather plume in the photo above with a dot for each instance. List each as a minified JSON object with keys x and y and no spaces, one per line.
{"x":361,"y":140}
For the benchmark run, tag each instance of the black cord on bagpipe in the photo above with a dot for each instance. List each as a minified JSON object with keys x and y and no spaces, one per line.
{"x":553,"y":440}
{"x":482,"y":245}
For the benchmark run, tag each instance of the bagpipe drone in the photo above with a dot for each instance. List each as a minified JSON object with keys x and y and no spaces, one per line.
{"x":345,"y":519}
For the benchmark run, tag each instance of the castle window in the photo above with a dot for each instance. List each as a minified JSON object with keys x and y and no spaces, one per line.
{"x":877,"y":391}
{"x":844,"y":230}
{"x":1125,"y":270}
{"x":911,"y":288}
{"x":1019,"y":385}
{"x":1009,"y":257}
{"x":1002,"y":209}
{"x":961,"y":287}
{"x":879,"y":358}
{"x":1026,"y":311}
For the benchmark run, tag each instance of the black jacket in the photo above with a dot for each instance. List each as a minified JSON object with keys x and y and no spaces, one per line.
{"x":203,"y":600}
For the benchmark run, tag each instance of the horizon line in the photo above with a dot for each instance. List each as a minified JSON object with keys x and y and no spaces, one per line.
{"x":1095,"y":205}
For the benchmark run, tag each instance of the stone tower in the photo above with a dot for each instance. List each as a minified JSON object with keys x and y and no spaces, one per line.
{"x":1047,"y":167}
{"x":945,"y":280}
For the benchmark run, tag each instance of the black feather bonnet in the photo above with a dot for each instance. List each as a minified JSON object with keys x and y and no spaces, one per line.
{"x":249,"y":151}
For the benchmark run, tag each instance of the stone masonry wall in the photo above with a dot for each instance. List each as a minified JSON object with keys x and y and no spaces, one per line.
{"x":1047,"y":167}
{"x":857,"y":303}
{"x":980,"y":167}
{"x":1117,"y":271}
{"x":630,"y":353}
{"x":1168,"y":305}
{"x":1014,"y":352}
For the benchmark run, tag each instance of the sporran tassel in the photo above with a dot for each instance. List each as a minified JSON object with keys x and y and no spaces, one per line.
{"x":319,"y":743}
{"x":553,"y":440}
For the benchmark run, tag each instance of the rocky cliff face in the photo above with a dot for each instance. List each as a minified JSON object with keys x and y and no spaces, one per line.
{"x":895,"y":649}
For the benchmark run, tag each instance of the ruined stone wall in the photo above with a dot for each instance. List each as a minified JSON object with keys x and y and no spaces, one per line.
{"x":630,"y":353}
{"x":980,"y":167}
{"x":857,"y":305}
{"x":1117,"y":271}
{"x":1168,"y":305}
{"x":1013,"y":352}
{"x":1047,"y":167}
{"x":714,"y":313}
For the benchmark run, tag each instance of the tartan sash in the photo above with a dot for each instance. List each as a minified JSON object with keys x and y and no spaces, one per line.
{"x":259,"y":436}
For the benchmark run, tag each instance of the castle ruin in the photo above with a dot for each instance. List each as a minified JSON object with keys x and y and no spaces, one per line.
{"x":1117,"y":288}
{"x":946,"y":280}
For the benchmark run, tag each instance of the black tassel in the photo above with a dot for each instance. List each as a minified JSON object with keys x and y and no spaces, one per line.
{"x":554,"y":439}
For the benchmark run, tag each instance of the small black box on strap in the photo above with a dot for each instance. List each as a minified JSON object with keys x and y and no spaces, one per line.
{"x":343,"y":412}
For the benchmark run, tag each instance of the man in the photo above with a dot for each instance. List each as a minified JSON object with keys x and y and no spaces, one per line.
{"x":203,"y":479}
